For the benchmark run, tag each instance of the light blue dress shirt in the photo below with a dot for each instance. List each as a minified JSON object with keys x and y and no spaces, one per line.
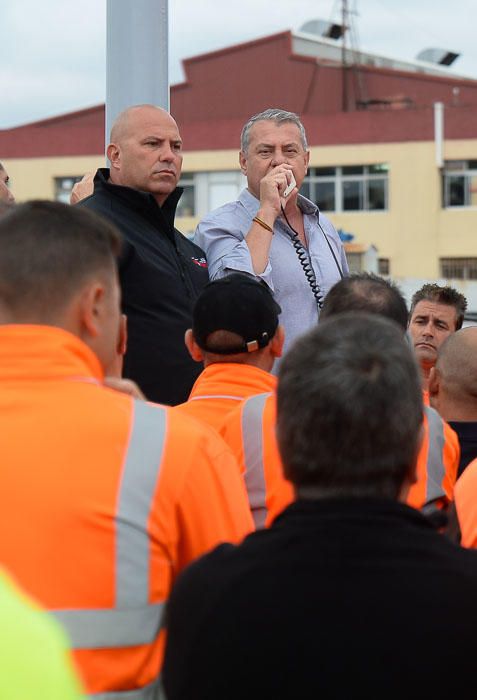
{"x":221,"y":234}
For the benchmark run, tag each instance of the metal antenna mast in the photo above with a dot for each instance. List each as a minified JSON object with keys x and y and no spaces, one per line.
{"x":344,"y":58}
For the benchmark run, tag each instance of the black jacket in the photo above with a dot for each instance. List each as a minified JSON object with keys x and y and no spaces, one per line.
{"x":338,"y":599}
{"x":161,"y":274}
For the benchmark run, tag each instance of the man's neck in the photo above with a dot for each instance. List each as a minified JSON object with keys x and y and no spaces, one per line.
{"x":425,"y":371}
{"x":260,"y":361}
{"x":457,"y":411}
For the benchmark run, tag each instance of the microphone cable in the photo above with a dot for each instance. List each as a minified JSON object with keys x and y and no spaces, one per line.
{"x":304,"y":259}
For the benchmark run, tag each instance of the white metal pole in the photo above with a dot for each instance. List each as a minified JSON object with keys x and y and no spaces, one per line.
{"x":439,"y":132}
{"x":137,"y":51}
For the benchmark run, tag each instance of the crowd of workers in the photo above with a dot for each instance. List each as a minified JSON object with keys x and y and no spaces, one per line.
{"x":207,"y":493}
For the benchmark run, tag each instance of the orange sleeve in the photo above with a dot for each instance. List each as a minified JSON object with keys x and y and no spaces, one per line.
{"x":416,"y":497}
{"x":427,"y":482}
{"x":451,"y":460}
{"x":466,"y":505}
{"x":213,"y":505}
{"x":279,"y":491}
{"x":231,"y":431}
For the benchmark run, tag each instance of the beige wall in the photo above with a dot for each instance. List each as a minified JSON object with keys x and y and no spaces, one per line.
{"x":33,"y":178}
{"x":413,"y":233}
{"x":406,"y":232}
{"x":457,"y":228}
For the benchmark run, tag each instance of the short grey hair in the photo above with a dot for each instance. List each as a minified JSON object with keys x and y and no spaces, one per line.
{"x":354,"y":370}
{"x":279,"y":116}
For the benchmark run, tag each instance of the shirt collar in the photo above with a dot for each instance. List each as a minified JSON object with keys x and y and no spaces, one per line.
{"x":233,"y":378}
{"x":35,"y":352}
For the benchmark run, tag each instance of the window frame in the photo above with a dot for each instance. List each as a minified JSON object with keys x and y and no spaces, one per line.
{"x":313,"y":181}
{"x":57,"y":179}
{"x":468,"y":267}
{"x":463,"y":171}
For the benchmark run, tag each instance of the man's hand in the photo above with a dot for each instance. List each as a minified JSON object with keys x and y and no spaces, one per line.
{"x":272,"y":187}
{"x":82,"y":189}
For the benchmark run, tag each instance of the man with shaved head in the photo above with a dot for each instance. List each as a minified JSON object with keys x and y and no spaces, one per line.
{"x":453,"y":389}
{"x":161,"y":272}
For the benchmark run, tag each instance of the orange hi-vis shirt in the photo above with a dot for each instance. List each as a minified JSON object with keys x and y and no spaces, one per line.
{"x":465,"y":495}
{"x":104,"y":500}
{"x":437,"y":463}
{"x":220,"y":388}
{"x":250,"y":433}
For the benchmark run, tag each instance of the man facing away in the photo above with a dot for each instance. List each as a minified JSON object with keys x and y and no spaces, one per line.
{"x":453,"y":389}
{"x":160,"y":271}
{"x":350,"y":593}
{"x":282,"y":239}
{"x":236,"y":334}
{"x":436,"y":312}
{"x":105,"y":499}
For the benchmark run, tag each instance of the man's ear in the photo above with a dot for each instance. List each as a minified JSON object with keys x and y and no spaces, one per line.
{"x":114,"y":155}
{"x":276,"y":343}
{"x":243,"y":162}
{"x":90,"y":308}
{"x":194,"y":350}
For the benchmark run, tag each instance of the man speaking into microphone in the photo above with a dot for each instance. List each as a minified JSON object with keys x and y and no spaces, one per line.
{"x":271,"y":231}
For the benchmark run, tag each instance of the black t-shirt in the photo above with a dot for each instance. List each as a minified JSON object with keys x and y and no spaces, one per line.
{"x":161,"y":274}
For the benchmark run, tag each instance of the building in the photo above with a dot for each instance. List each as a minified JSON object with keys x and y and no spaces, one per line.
{"x":387,"y":164}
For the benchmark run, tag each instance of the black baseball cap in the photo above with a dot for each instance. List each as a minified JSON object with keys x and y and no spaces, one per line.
{"x":239,"y":304}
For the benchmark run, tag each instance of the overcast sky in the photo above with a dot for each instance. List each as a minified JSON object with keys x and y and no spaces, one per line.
{"x":53,"y":51}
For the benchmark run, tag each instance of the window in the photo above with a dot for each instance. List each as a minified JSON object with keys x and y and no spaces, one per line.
{"x":348,"y":187}
{"x":205,"y":191}
{"x":223,"y":186}
{"x":459,"y":268}
{"x":186,"y":205}
{"x":384,"y":266}
{"x":63,"y":187}
{"x":355,"y":262}
{"x":460,"y":183}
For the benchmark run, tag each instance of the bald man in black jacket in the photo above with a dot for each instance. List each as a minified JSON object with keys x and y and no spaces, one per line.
{"x":161,"y":271}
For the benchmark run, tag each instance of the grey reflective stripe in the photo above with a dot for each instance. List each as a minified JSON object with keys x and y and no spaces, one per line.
{"x":133,"y":620}
{"x":103,"y":628}
{"x":140,"y":474}
{"x":252,"y":436}
{"x":435,"y":456}
{"x":152,"y":691}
